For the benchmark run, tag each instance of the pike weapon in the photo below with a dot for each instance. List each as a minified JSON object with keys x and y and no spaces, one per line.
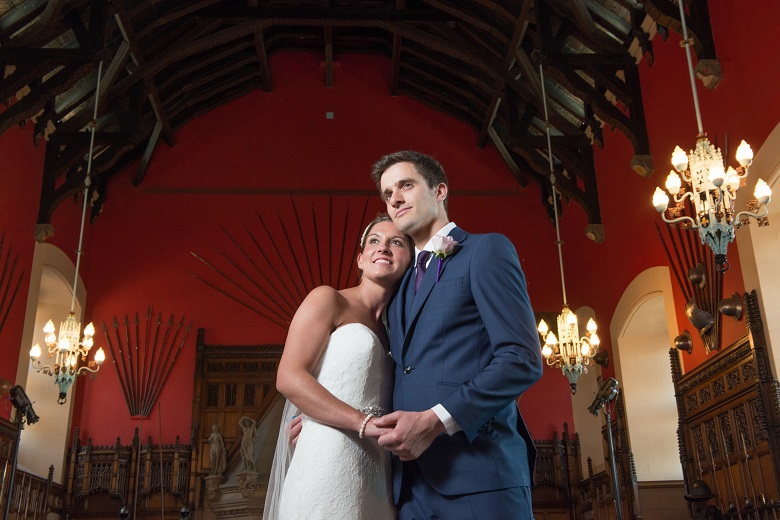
{"x":2,"y":480}
{"x":747,"y":464}
{"x":715,"y":478}
{"x":730,"y":476}
{"x":27,"y":499}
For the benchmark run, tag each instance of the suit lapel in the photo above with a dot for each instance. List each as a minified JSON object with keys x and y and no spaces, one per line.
{"x":427,"y":285}
{"x":399,"y":311}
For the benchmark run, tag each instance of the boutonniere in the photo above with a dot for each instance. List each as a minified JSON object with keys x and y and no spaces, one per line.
{"x":442,"y":247}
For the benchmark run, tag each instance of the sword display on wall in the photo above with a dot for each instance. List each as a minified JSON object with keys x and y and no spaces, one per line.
{"x":285,"y":251}
{"x":7,"y":280}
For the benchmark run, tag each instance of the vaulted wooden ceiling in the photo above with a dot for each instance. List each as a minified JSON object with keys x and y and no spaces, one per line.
{"x":169,"y":61}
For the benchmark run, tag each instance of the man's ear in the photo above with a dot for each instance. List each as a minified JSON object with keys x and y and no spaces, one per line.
{"x":441,"y":192}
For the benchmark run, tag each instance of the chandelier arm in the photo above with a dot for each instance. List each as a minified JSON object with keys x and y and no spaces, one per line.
{"x":687,"y":44}
{"x":84,"y":368}
{"x":751,"y":214}
{"x":46,"y":369}
{"x":726,"y":196}
{"x":552,"y":183}
{"x":694,"y":225}
{"x":686,"y":195}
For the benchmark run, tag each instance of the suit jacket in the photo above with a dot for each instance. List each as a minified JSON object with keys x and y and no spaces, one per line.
{"x":469,"y":342}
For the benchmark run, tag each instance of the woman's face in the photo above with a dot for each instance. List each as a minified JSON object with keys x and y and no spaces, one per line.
{"x":387,"y":253}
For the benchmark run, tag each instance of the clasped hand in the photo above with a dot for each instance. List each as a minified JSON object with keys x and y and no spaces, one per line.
{"x":406,"y":434}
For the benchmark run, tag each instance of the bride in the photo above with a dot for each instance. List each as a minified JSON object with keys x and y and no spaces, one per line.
{"x":336,"y":371}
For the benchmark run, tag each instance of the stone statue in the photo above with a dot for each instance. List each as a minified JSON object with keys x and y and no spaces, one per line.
{"x":248,"y":442}
{"x":216,"y":452}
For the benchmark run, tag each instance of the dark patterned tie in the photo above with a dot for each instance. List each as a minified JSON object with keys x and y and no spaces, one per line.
{"x":422,"y":260}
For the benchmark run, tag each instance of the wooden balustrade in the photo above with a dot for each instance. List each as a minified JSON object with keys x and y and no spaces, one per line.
{"x":32,"y":496}
{"x":147,"y":479}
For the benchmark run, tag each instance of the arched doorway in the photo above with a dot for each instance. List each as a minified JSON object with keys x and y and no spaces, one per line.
{"x":45,"y":443}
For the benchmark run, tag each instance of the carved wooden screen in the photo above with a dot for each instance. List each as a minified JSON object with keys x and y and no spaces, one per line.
{"x":729,"y":420}
{"x":556,"y":477}
{"x":230,"y":382}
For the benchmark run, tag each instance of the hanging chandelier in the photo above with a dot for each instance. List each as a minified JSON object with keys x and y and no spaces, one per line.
{"x":709,"y":186}
{"x":65,"y":347}
{"x":568,"y":351}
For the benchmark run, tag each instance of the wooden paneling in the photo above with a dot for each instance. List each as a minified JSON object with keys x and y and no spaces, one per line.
{"x":729,"y":421}
{"x":231,"y":381}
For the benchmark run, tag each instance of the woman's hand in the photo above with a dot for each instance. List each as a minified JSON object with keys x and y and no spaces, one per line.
{"x":296,"y":424}
{"x":372,"y":430}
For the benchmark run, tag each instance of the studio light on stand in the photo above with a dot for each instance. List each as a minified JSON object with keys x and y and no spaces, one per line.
{"x":65,"y":347}
{"x":24,"y":414}
{"x":701,"y":178}
{"x":567,"y":351}
{"x":607,"y":393}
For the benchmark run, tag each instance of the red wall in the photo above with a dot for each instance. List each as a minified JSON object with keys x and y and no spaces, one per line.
{"x":138,"y":252}
{"x":282,"y":140}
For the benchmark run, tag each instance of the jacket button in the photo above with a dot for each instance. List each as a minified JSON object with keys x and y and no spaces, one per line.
{"x":407,"y":370}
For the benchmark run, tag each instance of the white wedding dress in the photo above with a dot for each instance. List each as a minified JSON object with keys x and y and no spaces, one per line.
{"x":334,"y":474}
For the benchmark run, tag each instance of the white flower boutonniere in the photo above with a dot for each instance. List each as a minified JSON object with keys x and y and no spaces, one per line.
{"x":442,"y":247}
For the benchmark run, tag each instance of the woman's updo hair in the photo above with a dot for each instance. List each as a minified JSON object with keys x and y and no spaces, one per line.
{"x":381,"y":217}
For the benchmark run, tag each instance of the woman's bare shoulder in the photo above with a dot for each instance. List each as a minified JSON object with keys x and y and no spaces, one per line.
{"x":322,"y":302}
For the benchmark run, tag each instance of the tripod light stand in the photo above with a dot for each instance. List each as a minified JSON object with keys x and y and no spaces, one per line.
{"x":608,"y":392}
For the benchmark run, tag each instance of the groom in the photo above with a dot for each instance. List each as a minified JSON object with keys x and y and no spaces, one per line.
{"x":465,"y":345}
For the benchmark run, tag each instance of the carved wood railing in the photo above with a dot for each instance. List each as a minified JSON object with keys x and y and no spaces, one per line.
{"x":557,"y":476}
{"x":32,"y":497}
{"x":729,"y":423}
{"x":149,"y":480}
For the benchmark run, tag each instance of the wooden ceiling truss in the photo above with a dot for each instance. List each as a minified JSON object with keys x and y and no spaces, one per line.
{"x":166,"y":63}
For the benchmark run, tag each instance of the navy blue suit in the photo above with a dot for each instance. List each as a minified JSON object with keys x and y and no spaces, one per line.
{"x":469,"y":342}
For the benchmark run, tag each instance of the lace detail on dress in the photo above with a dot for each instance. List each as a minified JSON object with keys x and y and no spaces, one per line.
{"x":333,"y":473}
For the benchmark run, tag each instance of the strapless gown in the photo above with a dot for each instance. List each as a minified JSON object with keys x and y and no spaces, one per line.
{"x":333,"y":473}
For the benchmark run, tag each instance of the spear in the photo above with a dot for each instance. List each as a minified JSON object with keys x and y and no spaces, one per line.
{"x":172,"y":362}
{"x":715,"y":478}
{"x":113,"y":360}
{"x":343,"y":243}
{"x":288,"y":298}
{"x":282,"y":299}
{"x":730,"y":477}
{"x":253,"y":282}
{"x":129,"y":345}
{"x":5,"y":468}
{"x":162,"y":487}
{"x":303,"y":240}
{"x":27,"y":499}
{"x":19,"y":497}
{"x":698,"y":463}
{"x":747,"y":464}
{"x":675,"y":271}
{"x":281,"y":258}
{"x":317,"y":241}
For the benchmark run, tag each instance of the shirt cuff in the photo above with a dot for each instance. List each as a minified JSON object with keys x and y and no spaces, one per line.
{"x":444,"y":416}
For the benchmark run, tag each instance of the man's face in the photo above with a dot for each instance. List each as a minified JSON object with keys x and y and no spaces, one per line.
{"x":411,"y":204}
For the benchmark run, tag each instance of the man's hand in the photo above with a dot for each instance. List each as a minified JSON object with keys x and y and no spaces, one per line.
{"x":296,"y":424}
{"x":411,"y":434}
